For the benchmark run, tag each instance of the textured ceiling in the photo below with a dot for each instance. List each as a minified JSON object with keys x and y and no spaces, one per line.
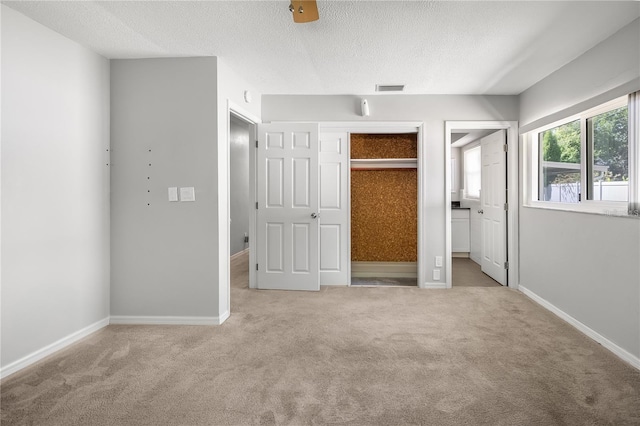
{"x":434,"y":47}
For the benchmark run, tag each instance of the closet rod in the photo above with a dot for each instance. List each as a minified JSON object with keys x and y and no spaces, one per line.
{"x":384,"y":163}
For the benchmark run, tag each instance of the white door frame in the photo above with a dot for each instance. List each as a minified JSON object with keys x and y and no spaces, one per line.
{"x":383,"y":127}
{"x":513,"y":273}
{"x":252,"y":120}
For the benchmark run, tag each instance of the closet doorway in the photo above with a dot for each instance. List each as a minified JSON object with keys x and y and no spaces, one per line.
{"x":384,"y":209}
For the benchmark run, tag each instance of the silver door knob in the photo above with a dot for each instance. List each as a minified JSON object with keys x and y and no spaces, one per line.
{"x":481,"y":211}
{"x":315,"y":215}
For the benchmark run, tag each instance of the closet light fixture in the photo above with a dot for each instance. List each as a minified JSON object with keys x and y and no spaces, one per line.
{"x":364,"y":107}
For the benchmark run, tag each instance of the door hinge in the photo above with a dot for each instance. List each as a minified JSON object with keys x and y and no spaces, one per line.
{"x":505,"y":147}
{"x":256,"y":144}
{"x":256,"y":205}
{"x":256,"y":266}
{"x":506,"y":206}
{"x":506,"y":265}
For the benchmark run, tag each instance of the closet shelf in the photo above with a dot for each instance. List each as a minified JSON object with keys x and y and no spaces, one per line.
{"x":384,"y":163}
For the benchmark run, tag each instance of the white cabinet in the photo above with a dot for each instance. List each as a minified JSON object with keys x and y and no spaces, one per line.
{"x":460,"y":230}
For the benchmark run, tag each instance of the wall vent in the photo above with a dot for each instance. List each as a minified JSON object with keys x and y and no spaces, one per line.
{"x":389,"y":87}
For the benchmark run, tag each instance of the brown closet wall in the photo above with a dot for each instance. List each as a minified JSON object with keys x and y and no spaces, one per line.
{"x":384,"y":210}
{"x":384,"y":146}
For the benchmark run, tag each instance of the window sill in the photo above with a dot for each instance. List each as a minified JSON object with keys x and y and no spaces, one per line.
{"x":597,"y":208}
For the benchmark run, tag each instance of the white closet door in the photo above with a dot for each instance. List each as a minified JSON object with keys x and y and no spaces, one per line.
{"x":287,"y":216}
{"x":334,"y":208}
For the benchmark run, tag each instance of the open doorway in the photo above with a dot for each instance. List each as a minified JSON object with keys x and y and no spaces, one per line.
{"x":242,"y":132}
{"x":482,"y":184}
{"x":468,"y":186}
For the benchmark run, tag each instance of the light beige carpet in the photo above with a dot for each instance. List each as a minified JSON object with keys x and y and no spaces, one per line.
{"x":355,"y":356}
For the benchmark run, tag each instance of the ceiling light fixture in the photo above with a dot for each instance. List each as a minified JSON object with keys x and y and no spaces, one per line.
{"x":304,"y":11}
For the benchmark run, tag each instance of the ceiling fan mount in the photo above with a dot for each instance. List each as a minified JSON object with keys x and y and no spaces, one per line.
{"x":304,"y":11}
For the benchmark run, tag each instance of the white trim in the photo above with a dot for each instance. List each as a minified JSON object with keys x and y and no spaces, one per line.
{"x":384,"y":269}
{"x":167,"y":320}
{"x":253,"y":120}
{"x":634,"y":152}
{"x":384,"y":163}
{"x":513,"y":184}
{"x":242,"y":113}
{"x":461,"y":255}
{"x":348,"y":209}
{"x":422,"y":187}
{"x":437,"y":286}
{"x":371,"y":127}
{"x":222,"y":318}
{"x":36,"y":356}
{"x":607,"y":208}
{"x":617,"y":350}
{"x":238,"y":254}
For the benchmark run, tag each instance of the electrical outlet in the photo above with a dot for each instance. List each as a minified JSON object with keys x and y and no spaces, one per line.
{"x":436,"y":274}
{"x":438,"y":261}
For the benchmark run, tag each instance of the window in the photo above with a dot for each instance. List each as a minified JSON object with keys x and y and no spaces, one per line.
{"x":582,"y":163}
{"x":560,"y":166}
{"x":472,"y":172}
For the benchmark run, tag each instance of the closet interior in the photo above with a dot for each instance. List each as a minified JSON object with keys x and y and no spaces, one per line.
{"x":384,"y":209}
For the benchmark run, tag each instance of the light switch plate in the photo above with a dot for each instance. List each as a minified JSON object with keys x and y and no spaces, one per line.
{"x":436,"y":274}
{"x":188,"y":194}
{"x":438,"y":261}
{"x":173,"y":194}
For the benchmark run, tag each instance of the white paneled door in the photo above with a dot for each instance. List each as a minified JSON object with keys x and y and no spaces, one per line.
{"x":334,"y":208}
{"x":493,"y":205}
{"x":288,"y":215}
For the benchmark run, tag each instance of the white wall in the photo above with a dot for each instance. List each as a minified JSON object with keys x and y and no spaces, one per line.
{"x":588,"y":266}
{"x":432,"y":109}
{"x":55,"y":190}
{"x":164,"y":112}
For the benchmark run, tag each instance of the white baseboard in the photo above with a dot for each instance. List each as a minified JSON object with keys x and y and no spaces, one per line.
{"x":222,"y":318}
{"x":53,"y":347}
{"x":162,"y":320}
{"x":460,"y":254}
{"x":384,"y":269}
{"x":434,"y":285}
{"x":620,"y":352}
{"x":238,"y":254}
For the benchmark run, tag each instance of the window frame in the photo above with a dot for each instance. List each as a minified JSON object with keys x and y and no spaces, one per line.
{"x":532,"y":165}
{"x":466,"y":195}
